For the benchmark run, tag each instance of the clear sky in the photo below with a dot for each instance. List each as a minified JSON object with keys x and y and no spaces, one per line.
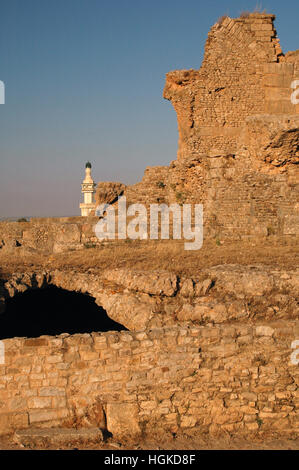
{"x":84,"y":81}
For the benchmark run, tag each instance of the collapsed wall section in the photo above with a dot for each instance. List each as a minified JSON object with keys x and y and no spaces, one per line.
{"x":244,"y":73}
{"x":238,"y":147}
{"x":49,"y":234}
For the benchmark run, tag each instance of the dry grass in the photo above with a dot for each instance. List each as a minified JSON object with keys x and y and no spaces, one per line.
{"x":221,"y":19}
{"x":153,"y":255}
{"x":258,"y":9}
{"x":245,"y":13}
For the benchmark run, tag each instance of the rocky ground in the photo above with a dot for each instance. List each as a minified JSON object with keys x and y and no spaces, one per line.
{"x":183,"y":441}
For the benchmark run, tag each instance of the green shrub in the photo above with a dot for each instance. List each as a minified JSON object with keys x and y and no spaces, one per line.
{"x":259,"y":422}
{"x":180,"y":197}
{"x":89,"y":245}
{"x":221,"y":19}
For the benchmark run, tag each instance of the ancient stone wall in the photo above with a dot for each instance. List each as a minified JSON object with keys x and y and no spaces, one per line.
{"x":244,"y":73}
{"x":50,"y":235}
{"x":211,"y":353}
{"x":238,"y":148}
{"x":231,"y":378}
{"x":239,"y":201}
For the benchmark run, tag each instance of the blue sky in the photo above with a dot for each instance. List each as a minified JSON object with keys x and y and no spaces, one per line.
{"x":84,"y":81}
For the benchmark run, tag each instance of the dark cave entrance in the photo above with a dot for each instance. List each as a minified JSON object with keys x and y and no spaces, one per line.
{"x":52,"y":311}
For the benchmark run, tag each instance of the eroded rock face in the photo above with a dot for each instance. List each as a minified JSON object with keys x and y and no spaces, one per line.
{"x":108,"y":192}
{"x":122,"y":419}
{"x":271,"y":140}
{"x":155,"y":283}
{"x":133,"y":311}
{"x":140,"y":300}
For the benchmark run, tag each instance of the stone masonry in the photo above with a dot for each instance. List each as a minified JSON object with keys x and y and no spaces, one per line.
{"x":210,"y":353}
{"x":48,"y":235}
{"x":244,"y":73}
{"x":238,"y":148}
{"x":229,"y":378}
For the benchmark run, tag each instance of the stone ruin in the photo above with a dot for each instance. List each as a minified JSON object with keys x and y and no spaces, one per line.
{"x":238,"y":147}
{"x":211,"y":352}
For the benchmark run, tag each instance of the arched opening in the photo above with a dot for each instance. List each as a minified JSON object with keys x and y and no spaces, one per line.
{"x":52,"y":311}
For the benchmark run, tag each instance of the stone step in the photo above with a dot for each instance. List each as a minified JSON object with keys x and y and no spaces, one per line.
{"x":35,"y":437}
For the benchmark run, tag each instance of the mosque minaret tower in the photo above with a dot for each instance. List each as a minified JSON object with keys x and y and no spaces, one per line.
{"x":88,"y":190}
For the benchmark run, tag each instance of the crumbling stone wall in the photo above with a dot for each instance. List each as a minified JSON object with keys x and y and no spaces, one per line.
{"x":244,"y":73}
{"x":238,"y":148}
{"x":211,"y":353}
{"x":236,"y":378}
{"x":49,"y":234}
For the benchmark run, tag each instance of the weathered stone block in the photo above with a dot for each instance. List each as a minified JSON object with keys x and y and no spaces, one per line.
{"x":264,"y":331}
{"x":39,"y":416}
{"x":51,"y":391}
{"x":122,"y":419}
{"x":39,"y":402}
{"x":57,"y":436}
{"x":188,"y":421}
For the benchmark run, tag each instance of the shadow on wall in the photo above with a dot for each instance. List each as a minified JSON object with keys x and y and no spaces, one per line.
{"x":52,"y":311}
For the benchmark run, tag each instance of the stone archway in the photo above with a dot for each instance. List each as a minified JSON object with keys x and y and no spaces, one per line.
{"x":132,"y":307}
{"x":52,"y":311}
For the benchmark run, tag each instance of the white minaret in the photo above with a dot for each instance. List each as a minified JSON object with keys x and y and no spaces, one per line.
{"x":88,"y":190}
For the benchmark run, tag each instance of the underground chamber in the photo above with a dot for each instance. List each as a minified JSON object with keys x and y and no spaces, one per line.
{"x":53,"y":311}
